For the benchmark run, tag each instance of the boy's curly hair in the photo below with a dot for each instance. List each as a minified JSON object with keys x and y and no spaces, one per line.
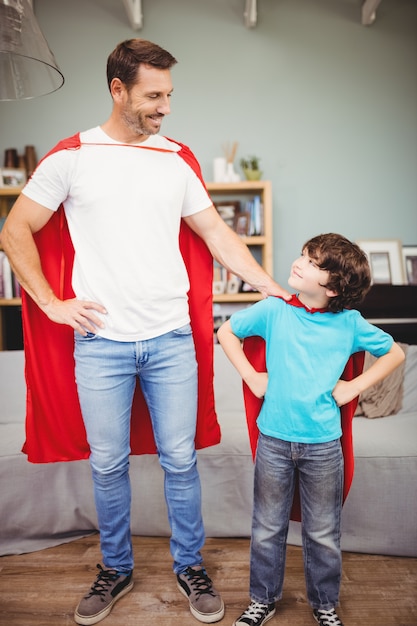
{"x":348,"y":267}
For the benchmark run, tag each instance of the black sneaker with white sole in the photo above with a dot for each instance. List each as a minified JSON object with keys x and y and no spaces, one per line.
{"x":327,"y":618}
{"x":256,"y":614}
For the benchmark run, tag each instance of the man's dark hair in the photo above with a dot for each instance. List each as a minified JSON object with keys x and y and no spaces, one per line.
{"x":126,"y":58}
{"x":348,"y":267}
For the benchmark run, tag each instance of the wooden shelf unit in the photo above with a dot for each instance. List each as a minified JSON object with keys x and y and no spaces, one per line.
{"x":8,"y":196}
{"x":245,"y":190}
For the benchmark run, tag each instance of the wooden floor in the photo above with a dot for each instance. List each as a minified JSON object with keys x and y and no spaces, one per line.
{"x":42,"y":588}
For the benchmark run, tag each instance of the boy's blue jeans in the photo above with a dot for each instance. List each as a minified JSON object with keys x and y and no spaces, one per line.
{"x":106,"y":373}
{"x":320,"y":468}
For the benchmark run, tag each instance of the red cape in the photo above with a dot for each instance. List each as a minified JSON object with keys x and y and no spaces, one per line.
{"x":54,"y":426}
{"x":254,"y":348}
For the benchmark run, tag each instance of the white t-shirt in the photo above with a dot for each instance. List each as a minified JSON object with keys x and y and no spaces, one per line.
{"x":124,"y":205}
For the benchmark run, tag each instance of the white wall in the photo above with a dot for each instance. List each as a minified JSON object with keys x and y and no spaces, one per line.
{"x":328,"y":104}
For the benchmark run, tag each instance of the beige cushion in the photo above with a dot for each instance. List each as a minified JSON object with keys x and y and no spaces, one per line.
{"x":384,"y":398}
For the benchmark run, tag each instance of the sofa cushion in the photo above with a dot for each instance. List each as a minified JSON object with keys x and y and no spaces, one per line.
{"x":386,"y":397}
{"x":12,"y":387}
{"x":11,"y":440}
{"x":227,"y":382}
{"x":410,"y":381}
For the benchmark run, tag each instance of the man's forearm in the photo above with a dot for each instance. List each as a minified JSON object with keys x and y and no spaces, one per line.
{"x":235,"y":256}
{"x":24,"y":259}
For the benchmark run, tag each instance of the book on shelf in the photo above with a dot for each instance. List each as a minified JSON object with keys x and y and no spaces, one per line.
{"x":224,"y":281}
{"x":228,"y":211}
{"x":246,"y":217}
{"x":9,"y":285}
{"x":256,"y":212}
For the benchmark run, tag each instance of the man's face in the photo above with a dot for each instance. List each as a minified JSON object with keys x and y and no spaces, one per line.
{"x":147,"y":102}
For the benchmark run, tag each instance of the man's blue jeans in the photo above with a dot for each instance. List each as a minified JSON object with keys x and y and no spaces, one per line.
{"x":320,"y":469}
{"x":106,"y":374}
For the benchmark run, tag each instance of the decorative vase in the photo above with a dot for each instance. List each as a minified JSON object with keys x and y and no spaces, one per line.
{"x":252,"y":174}
{"x":231,"y":175}
{"x":219,"y":169}
{"x":10,"y":157}
{"x":31,"y":159}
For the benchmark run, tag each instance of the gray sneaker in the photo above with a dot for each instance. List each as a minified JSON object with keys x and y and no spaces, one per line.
{"x":109,"y":587}
{"x":205,"y":602}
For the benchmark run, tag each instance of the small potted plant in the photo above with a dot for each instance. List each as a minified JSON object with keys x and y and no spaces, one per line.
{"x":250,"y":167}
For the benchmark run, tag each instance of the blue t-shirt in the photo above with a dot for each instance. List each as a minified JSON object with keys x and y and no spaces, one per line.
{"x":306,"y":354}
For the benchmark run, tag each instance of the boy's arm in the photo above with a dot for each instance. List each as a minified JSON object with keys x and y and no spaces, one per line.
{"x":345,"y":391}
{"x":231,"y":344}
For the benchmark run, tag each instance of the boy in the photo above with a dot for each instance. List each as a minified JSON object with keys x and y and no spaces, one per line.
{"x":307,"y":348}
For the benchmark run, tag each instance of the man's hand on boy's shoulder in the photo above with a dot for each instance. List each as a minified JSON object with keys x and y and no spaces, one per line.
{"x":274,"y":289}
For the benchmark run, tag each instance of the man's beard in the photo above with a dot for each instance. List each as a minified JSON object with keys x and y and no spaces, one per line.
{"x":139,"y":124}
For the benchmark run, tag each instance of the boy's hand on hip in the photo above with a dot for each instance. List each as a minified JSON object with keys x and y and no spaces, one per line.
{"x":345,"y":391}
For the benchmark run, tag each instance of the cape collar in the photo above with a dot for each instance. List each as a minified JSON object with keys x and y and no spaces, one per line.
{"x":294,"y":301}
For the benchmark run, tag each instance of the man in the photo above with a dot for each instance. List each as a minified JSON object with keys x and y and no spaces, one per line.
{"x":127,"y":193}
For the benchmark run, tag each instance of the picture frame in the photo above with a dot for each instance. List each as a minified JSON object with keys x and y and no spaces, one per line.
{"x":12,"y":177}
{"x":410,"y":264}
{"x":219,"y":279}
{"x":228,"y":210}
{"x":385,"y":259}
{"x":233,"y":283}
{"x":242,"y":223}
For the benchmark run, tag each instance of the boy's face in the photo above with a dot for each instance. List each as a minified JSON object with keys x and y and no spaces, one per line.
{"x":309,"y":280}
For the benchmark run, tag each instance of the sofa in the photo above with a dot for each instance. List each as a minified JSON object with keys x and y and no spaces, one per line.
{"x":48,"y":504}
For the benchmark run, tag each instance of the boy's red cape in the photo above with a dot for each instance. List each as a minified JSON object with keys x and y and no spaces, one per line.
{"x":54,"y":426}
{"x":254,"y":348}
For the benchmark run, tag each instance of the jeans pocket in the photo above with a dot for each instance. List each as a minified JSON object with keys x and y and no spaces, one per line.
{"x":88,"y":337}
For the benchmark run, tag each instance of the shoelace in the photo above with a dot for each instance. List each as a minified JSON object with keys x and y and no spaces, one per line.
{"x":255,"y":609}
{"x":199,"y":581}
{"x":330,"y":617}
{"x":104,"y":578}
